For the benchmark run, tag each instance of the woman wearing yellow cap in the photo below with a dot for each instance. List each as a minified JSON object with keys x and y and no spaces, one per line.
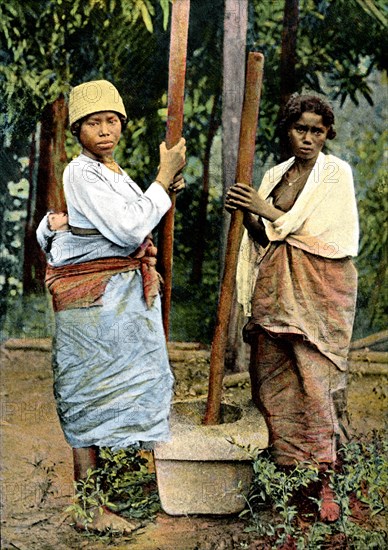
{"x":112,"y":379}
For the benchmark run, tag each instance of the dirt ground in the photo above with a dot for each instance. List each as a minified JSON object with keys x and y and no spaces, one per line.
{"x":37,"y":465}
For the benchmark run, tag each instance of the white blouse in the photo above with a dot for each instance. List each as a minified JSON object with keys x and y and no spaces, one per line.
{"x":98,"y":198}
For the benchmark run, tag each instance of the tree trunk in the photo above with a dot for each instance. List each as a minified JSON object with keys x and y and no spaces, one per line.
{"x":288,"y":54}
{"x":199,"y":238}
{"x":288,"y":59}
{"x":46,"y":191}
{"x":234,"y":55}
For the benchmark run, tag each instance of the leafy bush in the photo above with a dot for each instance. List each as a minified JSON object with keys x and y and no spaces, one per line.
{"x":363,"y":479}
{"x":122,"y":483}
{"x":28,"y":317}
{"x":372,"y":262}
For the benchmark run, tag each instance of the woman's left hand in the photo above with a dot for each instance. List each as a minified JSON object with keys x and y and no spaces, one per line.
{"x":244,"y":197}
{"x":178,"y":184}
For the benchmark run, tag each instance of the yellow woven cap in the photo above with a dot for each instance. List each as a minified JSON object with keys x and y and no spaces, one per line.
{"x":93,"y":97}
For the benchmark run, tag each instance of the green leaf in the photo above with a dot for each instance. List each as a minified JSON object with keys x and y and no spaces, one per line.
{"x":165,"y":5}
{"x":146,"y":17}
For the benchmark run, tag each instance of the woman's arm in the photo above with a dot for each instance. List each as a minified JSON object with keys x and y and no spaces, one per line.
{"x":245,"y":198}
{"x":123,"y":220}
{"x":126,"y":217}
{"x":256,"y":229}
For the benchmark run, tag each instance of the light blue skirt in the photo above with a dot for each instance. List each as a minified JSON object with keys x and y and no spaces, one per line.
{"x":112,"y":379}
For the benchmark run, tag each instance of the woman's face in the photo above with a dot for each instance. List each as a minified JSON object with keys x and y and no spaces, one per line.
{"x":100,"y":133}
{"x":307,"y":136}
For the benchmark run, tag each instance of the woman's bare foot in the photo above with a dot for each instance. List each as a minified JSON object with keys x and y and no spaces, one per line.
{"x":107,"y":521}
{"x":330,"y":510}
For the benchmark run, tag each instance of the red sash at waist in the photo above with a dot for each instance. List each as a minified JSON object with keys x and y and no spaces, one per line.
{"x":83,"y":285}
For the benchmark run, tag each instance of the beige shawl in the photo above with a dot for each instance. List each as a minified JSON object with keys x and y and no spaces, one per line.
{"x":323,"y":220}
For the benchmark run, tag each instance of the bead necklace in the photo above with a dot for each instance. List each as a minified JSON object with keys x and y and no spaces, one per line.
{"x":291,"y":182}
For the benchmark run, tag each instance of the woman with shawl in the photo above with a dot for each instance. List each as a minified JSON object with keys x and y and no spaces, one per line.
{"x":297,"y":284}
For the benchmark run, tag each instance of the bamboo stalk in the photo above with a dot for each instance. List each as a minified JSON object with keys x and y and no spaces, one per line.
{"x":367,"y":368}
{"x":368,"y":356}
{"x":244,"y":172}
{"x":371,"y":340}
{"x":176,"y":89}
{"x":28,"y":344}
{"x":45,"y":344}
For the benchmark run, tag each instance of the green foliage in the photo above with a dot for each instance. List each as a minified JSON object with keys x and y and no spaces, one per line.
{"x":275,"y":486}
{"x":194,"y":307}
{"x":35,"y":66}
{"x":364,"y":473}
{"x":89,"y":497}
{"x":364,"y":476}
{"x":361,"y":141}
{"x":373,"y":260}
{"x":25,"y":316}
{"x":376,"y":9}
{"x":38,"y":66}
{"x":331,"y":33}
{"x":337,"y":41}
{"x":122,"y":483}
{"x":14,"y":189}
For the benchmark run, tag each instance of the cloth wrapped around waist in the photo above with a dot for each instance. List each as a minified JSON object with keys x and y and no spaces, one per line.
{"x":82,"y":285}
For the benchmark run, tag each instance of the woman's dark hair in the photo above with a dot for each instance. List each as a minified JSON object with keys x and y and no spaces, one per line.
{"x":76,"y":127}
{"x":299,"y":104}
